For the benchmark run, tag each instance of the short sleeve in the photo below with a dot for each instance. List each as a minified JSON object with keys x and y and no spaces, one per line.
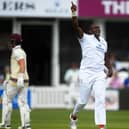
{"x":18,"y":54}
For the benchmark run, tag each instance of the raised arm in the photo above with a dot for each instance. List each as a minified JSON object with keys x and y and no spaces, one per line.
{"x":108,"y":64}
{"x":75,"y":23}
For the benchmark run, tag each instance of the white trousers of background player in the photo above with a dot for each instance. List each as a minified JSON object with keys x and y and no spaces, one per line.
{"x":97,"y":82}
{"x":11,"y":92}
{"x":6,"y":110}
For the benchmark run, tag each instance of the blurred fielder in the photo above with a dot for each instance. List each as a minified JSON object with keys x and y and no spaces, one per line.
{"x":17,"y":84}
{"x":95,"y":67}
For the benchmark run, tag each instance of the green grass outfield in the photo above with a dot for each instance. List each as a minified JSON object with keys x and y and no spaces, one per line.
{"x":59,"y":119}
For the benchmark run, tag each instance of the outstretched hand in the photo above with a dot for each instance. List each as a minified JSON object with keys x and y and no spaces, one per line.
{"x":73,"y":7}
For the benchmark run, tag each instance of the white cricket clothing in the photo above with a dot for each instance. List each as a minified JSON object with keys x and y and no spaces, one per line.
{"x":11,"y":89}
{"x":17,"y":54}
{"x":10,"y":93}
{"x":93,"y":82}
{"x":92,"y":76}
{"x":93,"y":52}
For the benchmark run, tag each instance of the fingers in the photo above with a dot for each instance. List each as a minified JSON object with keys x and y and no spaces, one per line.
{"x":72,"y":3}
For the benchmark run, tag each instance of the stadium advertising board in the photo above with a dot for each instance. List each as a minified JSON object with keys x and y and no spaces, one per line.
{"x":104,"y":8}
{"x":35,"y":8}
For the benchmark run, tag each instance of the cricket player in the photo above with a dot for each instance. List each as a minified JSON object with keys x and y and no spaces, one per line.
{"x":95,"y":67}
{"x":17,"y":84}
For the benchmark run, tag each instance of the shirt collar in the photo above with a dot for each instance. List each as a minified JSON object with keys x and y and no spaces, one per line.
{"x":18,"y":46}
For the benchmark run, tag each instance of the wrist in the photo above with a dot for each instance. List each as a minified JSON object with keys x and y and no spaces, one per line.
{"x":74,"y":13}
{"x":20,"y":75}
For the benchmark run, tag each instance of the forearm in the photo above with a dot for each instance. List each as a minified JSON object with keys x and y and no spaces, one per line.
{"x":20,"y":80}
{"x":22,"y":69}
{"x":76,"y":26}
{"x":75,"y":22}
{"x":21,"y":66}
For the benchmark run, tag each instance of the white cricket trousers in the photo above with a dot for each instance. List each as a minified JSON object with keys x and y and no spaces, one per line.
{"x":10,"y":93}
{"x":96,"y":83}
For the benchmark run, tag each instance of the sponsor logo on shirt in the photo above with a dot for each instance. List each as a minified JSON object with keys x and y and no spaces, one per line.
{"x":99,"y":48}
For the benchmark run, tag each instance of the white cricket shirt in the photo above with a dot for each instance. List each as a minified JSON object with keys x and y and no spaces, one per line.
{"x":93,"y":53}
{"x":17,"y":54}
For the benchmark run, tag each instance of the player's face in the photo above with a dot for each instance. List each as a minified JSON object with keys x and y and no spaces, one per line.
{"x":95,"y":29}
{"x":11,"y":44}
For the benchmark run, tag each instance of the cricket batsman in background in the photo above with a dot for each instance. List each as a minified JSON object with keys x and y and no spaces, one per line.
{"x":17,"y":84}
{"x":95,"y":67}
